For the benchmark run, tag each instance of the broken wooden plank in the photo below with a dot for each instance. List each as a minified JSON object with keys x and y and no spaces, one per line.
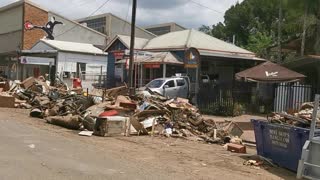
{"x":27,"y":83}
{"x":138,"y":126}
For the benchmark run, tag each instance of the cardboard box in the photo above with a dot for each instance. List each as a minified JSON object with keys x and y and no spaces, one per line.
{"x":28,"y":82}
{"x":7,"y":101}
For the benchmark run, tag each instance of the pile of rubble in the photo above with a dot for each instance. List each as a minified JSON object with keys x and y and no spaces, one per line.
{"x":301,"y":118}
{"x":112,"y":111}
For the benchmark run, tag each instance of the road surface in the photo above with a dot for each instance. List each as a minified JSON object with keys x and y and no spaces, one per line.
{"x":32,"y":149}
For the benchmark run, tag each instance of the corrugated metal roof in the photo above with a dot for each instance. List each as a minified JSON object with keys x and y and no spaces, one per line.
{"x":199,"y":40}
{"x":170,"y":40}
{"x":73,"y":47}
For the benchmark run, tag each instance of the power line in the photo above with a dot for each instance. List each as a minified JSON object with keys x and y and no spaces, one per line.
{"x":126,"y":20}
{"x":199,"y":4}
{"x":78,"y":6}
{"x":101,"y":6}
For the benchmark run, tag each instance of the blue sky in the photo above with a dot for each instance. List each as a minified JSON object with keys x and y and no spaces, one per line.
{"x":187,"y":13}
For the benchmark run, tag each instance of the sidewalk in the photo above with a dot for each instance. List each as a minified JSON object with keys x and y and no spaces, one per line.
{"x":244,"y":123}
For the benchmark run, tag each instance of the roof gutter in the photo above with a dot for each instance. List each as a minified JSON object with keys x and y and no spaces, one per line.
{"x":39,"y":51}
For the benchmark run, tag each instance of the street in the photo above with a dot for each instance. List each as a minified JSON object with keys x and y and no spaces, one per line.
{"x":32,"y":149}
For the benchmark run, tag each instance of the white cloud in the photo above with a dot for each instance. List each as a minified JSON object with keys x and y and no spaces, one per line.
{"x":184,"y":12}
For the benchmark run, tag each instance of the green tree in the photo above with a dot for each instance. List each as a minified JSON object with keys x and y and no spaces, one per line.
{"x":217,"y":31}
{"x":259,"y":42}
{"x":254,"y":23}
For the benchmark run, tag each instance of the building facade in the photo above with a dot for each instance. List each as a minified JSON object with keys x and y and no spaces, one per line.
{"x":14,"y":37}
{"x":72,"y":60}
{"x":201,"y":56}
{"x":160,"y":29}
{"x":112,"y":25}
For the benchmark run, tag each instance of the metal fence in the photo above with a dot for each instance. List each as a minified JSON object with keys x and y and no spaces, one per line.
{"x":236,"y":99}
{"x":290,"y":96}
{"x":252,"y":98}
{"x":88,"y":80}
{"x":215,"y":100}
{"x":93,"y":80}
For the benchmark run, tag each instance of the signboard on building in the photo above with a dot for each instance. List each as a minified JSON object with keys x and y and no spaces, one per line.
{"x":192,"y":58}
{"x":36,"y":60}
{"x":118,"y":55}
{"x":152,"y":66}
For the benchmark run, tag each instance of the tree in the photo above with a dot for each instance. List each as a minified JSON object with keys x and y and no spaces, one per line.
{"x":259,"y":42}
{"x":205,"y":29}
{"x":254,"y":23}
{"x":217,"y":31}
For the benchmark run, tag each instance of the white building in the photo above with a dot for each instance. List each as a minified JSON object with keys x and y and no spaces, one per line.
{"x":70,"y":59}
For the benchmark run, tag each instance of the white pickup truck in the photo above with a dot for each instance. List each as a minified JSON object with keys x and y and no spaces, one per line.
{"x":170,"y":87}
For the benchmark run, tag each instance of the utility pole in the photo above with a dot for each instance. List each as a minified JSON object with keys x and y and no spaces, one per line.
{"x":279,"y":31}
{"x":234,"y":39}
{"x":133,"y":25}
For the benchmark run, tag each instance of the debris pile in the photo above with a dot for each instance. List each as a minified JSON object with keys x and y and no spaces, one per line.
{"x":156,"y":115}
{"x":301,"y":118}
{"x":112,"y":111}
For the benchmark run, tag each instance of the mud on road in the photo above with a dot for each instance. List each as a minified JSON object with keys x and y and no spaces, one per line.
{"x":60,"y":153}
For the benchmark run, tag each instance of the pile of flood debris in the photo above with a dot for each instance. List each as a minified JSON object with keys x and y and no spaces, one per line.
{"x":107,"y":112}
{"x":300,"y":118}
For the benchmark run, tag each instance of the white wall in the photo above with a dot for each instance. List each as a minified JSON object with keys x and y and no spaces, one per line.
{"x":10,"y":29}
{"x":118,"y":26}
{"x":11,"y":20}
{"x":68,"y":61}
{"x":10,"y":42}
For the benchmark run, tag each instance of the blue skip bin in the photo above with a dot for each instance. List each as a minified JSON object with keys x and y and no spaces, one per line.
{"x":280,"y":143}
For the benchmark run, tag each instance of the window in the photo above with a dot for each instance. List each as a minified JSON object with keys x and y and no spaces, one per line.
{"x":98,"y":24}
{"x":170,"y":83}
{"x":155,"y":83}
{"x":180,"y":82}
{"x":159,"y":30}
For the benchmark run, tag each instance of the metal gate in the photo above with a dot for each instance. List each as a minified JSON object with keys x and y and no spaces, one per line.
{"x":252,"y":98}
{"x":290,"y":96}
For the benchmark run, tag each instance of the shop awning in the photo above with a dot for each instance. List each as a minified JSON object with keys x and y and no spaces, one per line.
{"x":269,"y":72}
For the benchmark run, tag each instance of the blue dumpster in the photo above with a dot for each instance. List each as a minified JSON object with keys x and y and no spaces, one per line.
{"x":280,"y":143}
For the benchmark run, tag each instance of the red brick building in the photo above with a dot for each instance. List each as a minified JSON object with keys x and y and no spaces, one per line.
{"x":14,"y":37}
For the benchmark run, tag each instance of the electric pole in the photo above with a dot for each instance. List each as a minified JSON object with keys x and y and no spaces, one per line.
{"x":133,"y":27}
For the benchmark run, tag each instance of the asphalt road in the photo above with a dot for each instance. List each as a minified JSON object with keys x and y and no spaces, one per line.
{"x":27,"y":152}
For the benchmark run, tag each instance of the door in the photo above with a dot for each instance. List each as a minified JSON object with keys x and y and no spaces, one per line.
{"x":81,"y":68}
{"x":182,"y":88}
{"x":170,"y":89}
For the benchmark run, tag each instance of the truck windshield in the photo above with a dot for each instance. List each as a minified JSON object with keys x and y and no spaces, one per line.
{"x":155,"y":83}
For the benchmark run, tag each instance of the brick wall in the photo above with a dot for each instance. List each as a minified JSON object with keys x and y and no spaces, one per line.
{"x":38,"y":17}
